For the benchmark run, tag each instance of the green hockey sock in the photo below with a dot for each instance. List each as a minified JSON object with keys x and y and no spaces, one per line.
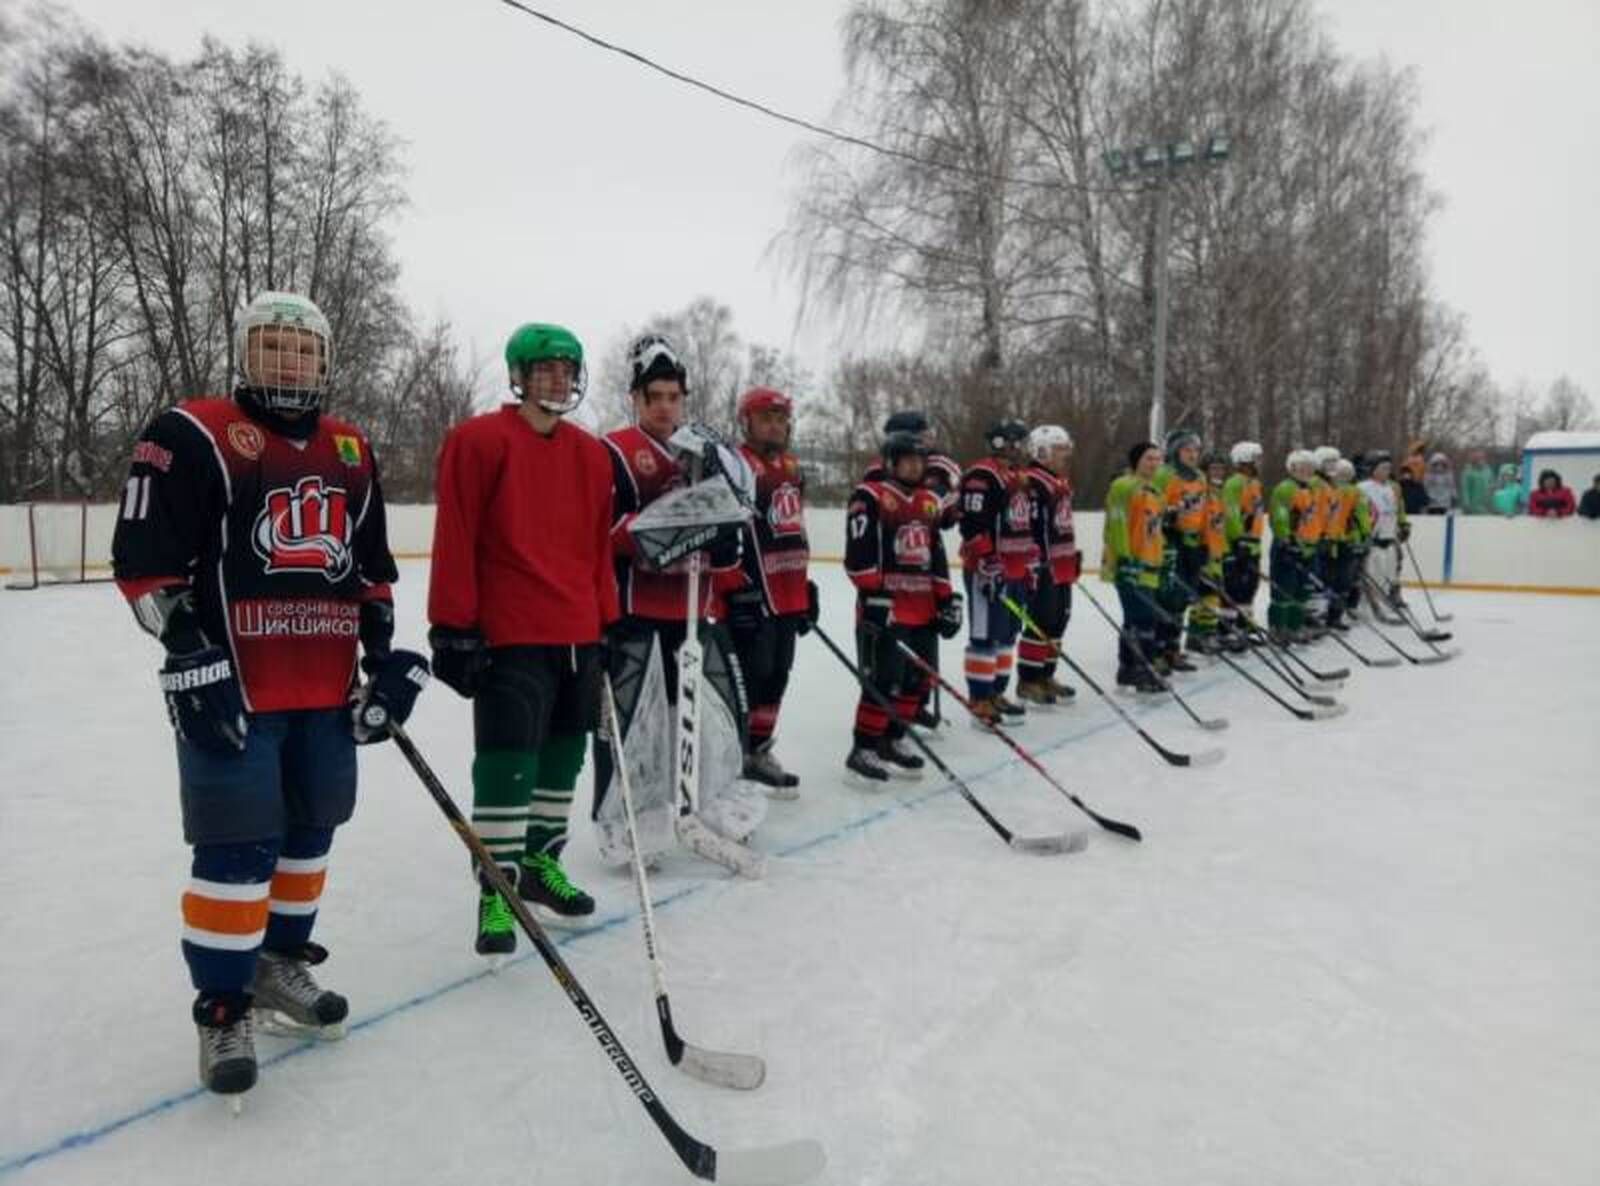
{"x":559,"y":763}
{"x":502,"y":785}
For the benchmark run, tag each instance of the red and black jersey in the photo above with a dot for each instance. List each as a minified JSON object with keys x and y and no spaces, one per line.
{"x":522,"y":535}
{"x":893,"y":545}
{"x":643,"y":469}
{"x":281,"y":540}
{"x":1054,"y":539}
{"x":941,"y":474}
{"x":778,"y":561}
{"x":997,"y":518}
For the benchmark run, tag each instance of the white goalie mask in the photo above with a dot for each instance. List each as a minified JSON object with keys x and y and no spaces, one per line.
{"x":283,"y":351}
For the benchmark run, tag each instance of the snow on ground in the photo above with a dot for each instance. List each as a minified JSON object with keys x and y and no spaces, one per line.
{"x":1357,"y":951}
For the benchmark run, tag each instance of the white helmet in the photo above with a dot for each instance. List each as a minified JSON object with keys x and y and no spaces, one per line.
{"x":301,"y":325}
{"x":1324,"y":456}
{"x":1046,"y":437}
{"x":1300,"y":457}
{"x":1344,"y":469}
{"x":1245,"y":453}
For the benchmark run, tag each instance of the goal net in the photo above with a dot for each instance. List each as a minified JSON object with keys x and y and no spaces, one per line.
{"x":57,"y":543}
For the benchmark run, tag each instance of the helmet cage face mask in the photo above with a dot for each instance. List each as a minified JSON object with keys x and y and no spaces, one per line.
{"x":653,"y":357}
{"x":576,"y":390}
{"x":283,"y":352}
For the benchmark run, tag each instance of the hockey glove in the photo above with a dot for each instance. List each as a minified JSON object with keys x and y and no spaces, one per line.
{"x":388,"y":696}
{"x":203,"y":700}
{"x":991,"y":578}
{"x":876,"y":611}
{"x":460,"y":658}
{"x":746,"y":608}
{"x":951,"y":616}
{"x":813,"y":609}
{"x":1403,"y":532}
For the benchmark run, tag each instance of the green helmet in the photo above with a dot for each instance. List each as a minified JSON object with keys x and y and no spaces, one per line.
{"x":536,"y":342}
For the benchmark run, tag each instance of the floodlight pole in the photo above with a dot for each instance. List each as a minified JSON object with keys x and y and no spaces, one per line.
{"x":1158,"y":375}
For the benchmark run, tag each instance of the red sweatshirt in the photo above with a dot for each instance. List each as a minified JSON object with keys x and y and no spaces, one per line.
{"x":522,"y":536}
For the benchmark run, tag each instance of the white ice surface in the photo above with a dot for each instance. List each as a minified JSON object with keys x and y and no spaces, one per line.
{"x":1359,"y":951}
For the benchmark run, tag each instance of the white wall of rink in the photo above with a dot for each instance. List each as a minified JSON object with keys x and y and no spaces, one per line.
{"x":1476,"y":550}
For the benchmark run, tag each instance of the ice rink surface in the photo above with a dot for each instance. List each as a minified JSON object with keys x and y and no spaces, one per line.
{"x":1357,"y":951}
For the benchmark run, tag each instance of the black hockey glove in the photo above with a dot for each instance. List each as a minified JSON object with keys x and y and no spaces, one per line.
{"x":746,"y":608}
{"x":376,"y":630}
{"x":951,"y":616}
{"x":876,"y":610}
{"x":203,"y":700}
{"x":1403,"y":532}
{"x":728,"y":548}
{"x":460,"y":658}
{"x":813,"y":610}
{"x":388,"y":696}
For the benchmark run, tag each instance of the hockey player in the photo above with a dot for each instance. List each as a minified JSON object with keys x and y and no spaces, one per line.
{"x":1055,"y":564}
{"x":1315,"y":593}
{"x":1208,"y":616}
{"x":1245,"y":508}
{"x":251,"y":542}
{"x":778,"y":603}
{"x":895,"y":557}
{"x":1133,"y":558}
{"x":654,"y":602}
{"x":1182,"y":487}
{"x":996,"y":561}
{"x":1296,"y":532}
{"x":1390,"y":530}
{"x":521,"y":589}
{"x":1349,"y":524}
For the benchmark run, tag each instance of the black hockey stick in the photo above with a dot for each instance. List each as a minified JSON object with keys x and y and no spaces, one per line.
{"x":1213,"y":723}
{"x":744,"y":1072}
{"x":1110,"y":825}
{"x":1365,"y":659}
{"x":1415,"y":660}
{"x":1043,"y":845}
{"x":1255,"y":631}
{"x":1171,"y":757}
{"x":1423,"y":633}
{"x":1417,"y":568}
{"x":1324,"y":707}
{"x":771,"y":1165}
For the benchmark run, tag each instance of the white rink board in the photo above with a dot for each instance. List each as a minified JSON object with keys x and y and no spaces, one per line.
{"x":1359,"y":951}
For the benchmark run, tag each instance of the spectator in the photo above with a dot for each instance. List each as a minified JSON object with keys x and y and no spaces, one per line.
{"x":1439,"y":483}
{"x":1476,"y":481}
{"x":1413,"y":496}
{"x":1508,"y":498}
{"x":1589,"y":508}
{"x":1413,"y":465}
{"x":1552,"y":500}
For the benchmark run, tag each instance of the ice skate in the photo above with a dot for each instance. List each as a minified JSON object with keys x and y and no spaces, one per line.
{"x":864,"y":769}
{"x":497,"y":927}
{"x":897,"y":760}
{"x":1010,"y":711}
{"x":985,"y":715}
{"x":289,"y":1003}
{"x":765,"y":769}
{"x":227,"y":1044}
{"x":1036,"y":693}
{"x":1065,"y":693}
{"x":543,"y":884}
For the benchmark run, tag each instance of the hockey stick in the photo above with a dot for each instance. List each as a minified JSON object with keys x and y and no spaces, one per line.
{"x":1282,"y":672}
{"x":771,"y":1165}
{"x":1423,"y":634}
{"x":1415,"y":660}
{"x":1324,"y":707}
{"x":1255,"y":631}
{"x":1064,"y":842}
{"x":1417,"y":568}
{"x":1110,"y":825}
{"x":745,"y":1072}
{"x":1212,"y":724}
{"x":1171,"y":757}
{"x":1366,"y":660}
{"x":693,"y":831}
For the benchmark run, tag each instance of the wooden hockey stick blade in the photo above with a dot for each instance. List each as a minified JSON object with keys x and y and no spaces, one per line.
{"x":1329,"y":711}
{"x":1075,"y":841}
{"x":1318,"y":698}
{"x":730,"y":854}
{"x":771,"y":1165}
{"x":741,"y":1072}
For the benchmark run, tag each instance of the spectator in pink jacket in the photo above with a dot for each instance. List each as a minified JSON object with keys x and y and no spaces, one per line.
{"x":1553,"y":499}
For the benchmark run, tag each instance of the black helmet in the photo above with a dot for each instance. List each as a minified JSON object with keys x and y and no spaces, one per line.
{"x":1008,"y":431}
{"x":901,"y":444}
{"x":910,"y":420}
{"x":1177,"y":439}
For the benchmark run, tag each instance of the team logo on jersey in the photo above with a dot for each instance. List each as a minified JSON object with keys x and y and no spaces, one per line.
{"x":645,"y":462}
{"x":306,"y":529}
{"x":786,"y":513}
{"x":348,"y":448}
{"x":1019,"y":510}
{"x":913,"y":545}
{"x":247,"y":440}
{"x":1063,"y":517}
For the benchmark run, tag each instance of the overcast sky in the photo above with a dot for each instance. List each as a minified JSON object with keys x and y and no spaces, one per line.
{"x":552,"y":181}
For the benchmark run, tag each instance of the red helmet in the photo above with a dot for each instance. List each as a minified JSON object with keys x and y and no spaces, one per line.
{"x":763,"y":399}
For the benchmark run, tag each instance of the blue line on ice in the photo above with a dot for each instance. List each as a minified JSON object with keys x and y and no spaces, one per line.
{"x":91,"y":1136}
